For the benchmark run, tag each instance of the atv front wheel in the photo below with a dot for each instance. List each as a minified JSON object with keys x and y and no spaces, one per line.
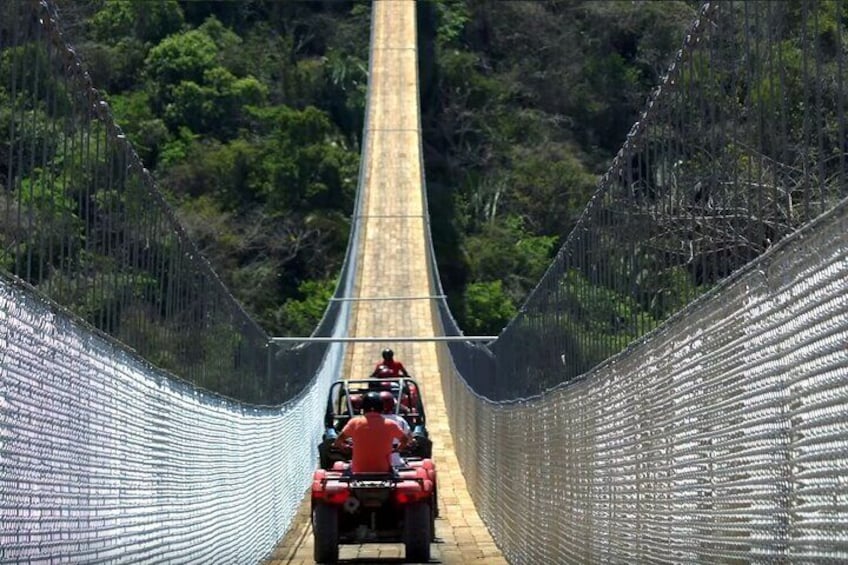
{"x":325,"y":531}
{"x":417,"y":532}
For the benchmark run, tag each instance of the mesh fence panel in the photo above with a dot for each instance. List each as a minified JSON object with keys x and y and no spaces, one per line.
{"x":105,"y":459}
{"x":589,"y":432}
{"x":719,"y":438}
{"x":743,"y":143}
{"x":82,"y":221}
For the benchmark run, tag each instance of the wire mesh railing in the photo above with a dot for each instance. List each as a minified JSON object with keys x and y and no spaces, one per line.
{"x":720,"y":438}
{"x":82,"y":221}
{"x":662,"y":397}
{"x":105,"y":457}
{"x":744,"y":141}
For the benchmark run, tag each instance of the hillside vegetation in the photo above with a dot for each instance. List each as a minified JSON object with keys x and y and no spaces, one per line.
{"x":250,"y":115}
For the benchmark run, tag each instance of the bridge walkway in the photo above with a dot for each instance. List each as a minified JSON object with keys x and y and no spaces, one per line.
{"x":393,"y":263}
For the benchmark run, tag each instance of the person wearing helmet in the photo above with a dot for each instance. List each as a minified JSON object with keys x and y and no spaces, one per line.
{"x":388,"y":400}
{"x":410,"y":397}
{"x":382,"y":379}
{"x":388,"y":367}
{"x":373,"y":437}
{"x":355,"y":403}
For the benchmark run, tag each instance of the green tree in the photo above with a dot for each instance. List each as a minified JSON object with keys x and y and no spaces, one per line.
{"x":505,"y":251}
{"x":147,"y":131}
{"x":120,"y":34}
{"x":179,"y":58}
{"x":488,"y":308}
{"x":148,"y":21}
{"x":300,"y":315}
{"x":305,"y":164}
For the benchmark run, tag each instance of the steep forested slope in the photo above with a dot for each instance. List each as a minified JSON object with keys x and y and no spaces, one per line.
{"x":525,"y":105}
{"x":250,"y":115}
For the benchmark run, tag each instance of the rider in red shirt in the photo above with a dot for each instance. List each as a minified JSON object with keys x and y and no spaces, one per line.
{"x":373,"y":436}
{"x":389,"y":368}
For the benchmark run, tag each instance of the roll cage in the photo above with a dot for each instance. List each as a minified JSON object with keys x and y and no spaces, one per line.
{"x":341,"y":400}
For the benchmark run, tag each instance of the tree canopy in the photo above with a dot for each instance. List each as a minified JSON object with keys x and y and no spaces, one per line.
{"x":250,"y":115}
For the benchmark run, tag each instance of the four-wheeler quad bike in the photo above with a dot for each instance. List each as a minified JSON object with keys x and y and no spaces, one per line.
{"x":354,"y":508}
{"x":400,"y":506}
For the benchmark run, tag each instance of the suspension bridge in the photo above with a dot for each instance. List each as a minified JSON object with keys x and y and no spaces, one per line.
{"x":701,"y":420}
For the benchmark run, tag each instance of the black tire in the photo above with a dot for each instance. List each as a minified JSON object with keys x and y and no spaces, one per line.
{"x":324,"y":456}
{"x":325,"y":531}
{"x":432,"y":525}
{"x":417,"y":532}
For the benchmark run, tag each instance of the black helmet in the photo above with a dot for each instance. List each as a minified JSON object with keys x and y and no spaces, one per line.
{"x":372,"y":402}
{"x":388,"y":354}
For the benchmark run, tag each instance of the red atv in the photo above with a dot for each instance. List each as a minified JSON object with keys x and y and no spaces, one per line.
{"x":352,"y":508}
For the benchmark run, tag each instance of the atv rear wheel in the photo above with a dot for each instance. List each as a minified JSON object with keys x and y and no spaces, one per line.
{"x":325,"y":531}
{"x":417,"y":532}
{"x":433,"y":514}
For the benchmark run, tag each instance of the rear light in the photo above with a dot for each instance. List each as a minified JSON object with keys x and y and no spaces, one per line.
{"x":336,"y":496}
{"x":421,"y":491}
{"x":318,"y":479}
{"x":328,"y":487}
{"x":405,"y":498}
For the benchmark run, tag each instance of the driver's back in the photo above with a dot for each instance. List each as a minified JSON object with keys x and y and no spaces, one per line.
{"x":373,"y":437}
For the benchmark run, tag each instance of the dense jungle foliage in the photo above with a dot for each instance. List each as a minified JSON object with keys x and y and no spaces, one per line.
{"x":250,"y":113}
